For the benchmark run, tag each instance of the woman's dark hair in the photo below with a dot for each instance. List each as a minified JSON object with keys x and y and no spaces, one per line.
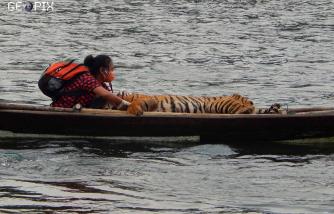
{"x":95,"y":63}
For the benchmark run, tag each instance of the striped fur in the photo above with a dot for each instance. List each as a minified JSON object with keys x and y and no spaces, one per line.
{"x":235,"y":104}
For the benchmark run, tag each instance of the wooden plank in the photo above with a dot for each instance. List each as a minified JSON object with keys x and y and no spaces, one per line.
{"x":310,"y":109}
{"x":323,"y":112}
{"x":117,"y":113}
{"x":11,"y":106}
{"x":33,"y":107}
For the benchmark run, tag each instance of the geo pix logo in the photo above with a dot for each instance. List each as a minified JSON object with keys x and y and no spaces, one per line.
{"x":30,"y":6}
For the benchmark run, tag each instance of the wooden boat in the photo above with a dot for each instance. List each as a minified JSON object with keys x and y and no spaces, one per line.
{"x":296,"y":124}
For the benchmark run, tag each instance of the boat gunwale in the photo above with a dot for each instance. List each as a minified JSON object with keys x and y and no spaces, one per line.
{"x":116,"y":113}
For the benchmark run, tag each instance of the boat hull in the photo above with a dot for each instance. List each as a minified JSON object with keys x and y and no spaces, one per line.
{"x":210,"y":127}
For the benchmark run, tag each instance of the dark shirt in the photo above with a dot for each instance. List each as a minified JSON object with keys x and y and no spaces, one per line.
{"x":86,"y":83}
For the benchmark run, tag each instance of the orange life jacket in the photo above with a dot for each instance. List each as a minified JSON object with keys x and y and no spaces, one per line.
{"x":65,"y":70}
{"x":57,"y":75}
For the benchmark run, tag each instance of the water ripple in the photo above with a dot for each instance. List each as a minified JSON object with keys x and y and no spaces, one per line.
{"x":270,"y":51}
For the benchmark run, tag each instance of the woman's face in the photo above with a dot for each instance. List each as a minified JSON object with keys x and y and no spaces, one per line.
{"x":107,"y":74}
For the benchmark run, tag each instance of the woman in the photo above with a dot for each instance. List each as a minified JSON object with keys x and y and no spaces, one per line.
{"x":94,"y":93}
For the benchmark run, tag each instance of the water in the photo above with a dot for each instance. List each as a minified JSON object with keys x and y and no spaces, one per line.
{"x":99,"y":177}
{"x":269,"y":50}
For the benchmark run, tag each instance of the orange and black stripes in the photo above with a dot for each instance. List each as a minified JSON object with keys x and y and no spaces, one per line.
{"x":235,"y":104}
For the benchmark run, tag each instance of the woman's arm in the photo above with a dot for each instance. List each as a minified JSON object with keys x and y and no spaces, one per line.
{"x":117,"y":102}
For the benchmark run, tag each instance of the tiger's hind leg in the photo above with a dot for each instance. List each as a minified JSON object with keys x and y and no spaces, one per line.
{"x":235,"y":104}
{"x":246,"y":106}
{"x":245,"y":110}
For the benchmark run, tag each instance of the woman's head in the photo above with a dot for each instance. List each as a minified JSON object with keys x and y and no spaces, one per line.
{"x":101,"y":67}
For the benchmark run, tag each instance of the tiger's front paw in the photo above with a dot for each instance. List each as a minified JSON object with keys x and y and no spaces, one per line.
{"x":138,"y":107}
{"x":135,"y":109}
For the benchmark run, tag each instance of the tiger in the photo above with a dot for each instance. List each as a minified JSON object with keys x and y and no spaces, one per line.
{"x":234,"y":104}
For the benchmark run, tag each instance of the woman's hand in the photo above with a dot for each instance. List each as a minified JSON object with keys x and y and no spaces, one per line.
{"x":115,"y":101}
{"x":123,"y":106}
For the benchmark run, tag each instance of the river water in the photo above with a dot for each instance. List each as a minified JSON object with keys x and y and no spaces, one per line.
{"x":268,"y":50}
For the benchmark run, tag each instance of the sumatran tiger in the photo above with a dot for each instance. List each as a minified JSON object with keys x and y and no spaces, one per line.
{"x":235,"y":104}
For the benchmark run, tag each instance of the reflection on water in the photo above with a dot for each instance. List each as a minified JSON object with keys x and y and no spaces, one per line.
{"x":103,"y":176}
